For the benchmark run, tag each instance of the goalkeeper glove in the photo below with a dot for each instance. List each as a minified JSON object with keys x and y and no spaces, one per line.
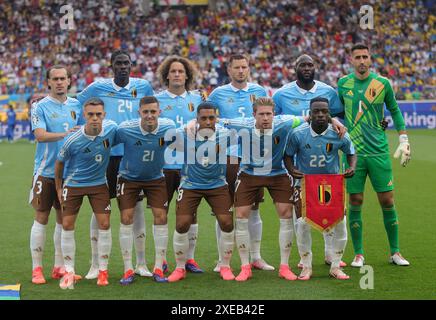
{"x":403,"y":150}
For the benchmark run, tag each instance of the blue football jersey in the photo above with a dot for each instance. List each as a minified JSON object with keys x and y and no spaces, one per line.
{"x":52,"y":116}
{"x":205,"y":160}
{"x":86,"y":157}
{"x":144,"y":151}
{"x":236,"y":103}
{"x":318,"y":153}
{"x":262,"y":153}
{"x":181,"y":109}
{"x":291,"y":99}
{"x":120,"y":103}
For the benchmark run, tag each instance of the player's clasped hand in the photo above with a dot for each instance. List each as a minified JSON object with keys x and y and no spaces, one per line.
{"x":403,"y":150}
{"x":348,"y":173}
{"x":73,"y":129}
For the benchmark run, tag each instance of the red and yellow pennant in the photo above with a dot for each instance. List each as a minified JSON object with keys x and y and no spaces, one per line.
{"x":323,"y":200}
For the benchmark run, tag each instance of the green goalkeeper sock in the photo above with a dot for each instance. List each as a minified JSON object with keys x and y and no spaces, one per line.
{"x":390,"y":220}
{"x":356,"y":227}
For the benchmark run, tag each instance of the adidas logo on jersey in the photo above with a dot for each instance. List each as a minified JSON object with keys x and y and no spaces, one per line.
{"x":390,"y":183}
{"x":108,"y":208}
{"x":138,"y":143}
{"x":307,"y":146}
{"x":350,"y":93}
{"x":87,"y":150}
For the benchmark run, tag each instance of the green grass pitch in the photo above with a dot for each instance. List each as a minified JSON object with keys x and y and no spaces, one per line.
{"x":415,"y":200}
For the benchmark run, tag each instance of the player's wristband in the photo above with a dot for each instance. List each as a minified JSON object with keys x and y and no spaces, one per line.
{"x":403,"y":138}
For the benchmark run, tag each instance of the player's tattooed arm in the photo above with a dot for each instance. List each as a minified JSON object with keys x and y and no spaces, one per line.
{"x":59,"y":171}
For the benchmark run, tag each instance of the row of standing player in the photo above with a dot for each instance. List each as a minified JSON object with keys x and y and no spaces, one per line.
{"x":121,"y":94}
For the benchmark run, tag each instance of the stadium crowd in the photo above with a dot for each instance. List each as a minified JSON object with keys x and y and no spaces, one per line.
{"x":274,"y":33}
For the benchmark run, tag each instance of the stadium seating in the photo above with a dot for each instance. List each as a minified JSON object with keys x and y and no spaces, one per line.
{"x":272,"y":32}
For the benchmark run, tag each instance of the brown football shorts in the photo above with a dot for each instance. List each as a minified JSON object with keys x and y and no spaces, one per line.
{"x":128,"y":192}
{"x":247,"y":188}
{"x":219,"y":200}
{"x":43,"y":195}
{"x":72,"y":198}
{"x":232,"y":176}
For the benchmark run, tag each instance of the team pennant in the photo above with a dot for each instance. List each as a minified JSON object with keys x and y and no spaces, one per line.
{"x":323,"y":200}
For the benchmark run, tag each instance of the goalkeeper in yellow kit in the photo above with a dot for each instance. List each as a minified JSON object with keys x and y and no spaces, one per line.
{"x":364,"y":94}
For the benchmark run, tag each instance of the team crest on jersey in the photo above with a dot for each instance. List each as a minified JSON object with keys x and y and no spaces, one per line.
{"x":106,"y":143}
{"x":161,"y":142}
{"x":168,"y":108}
{"x":329,"y":147}
{"x":190,"y":106}
{"x":252,"y":98}
{"x":276,"y":140}
{"x":134,"y":93}
{"x":73,"y":115}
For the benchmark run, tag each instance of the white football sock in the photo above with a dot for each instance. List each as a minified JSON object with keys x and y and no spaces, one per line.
{"x":304,"y":242}
{"x":104,"y":248}
{"x":227,"y":242}
{"x":57,"y":235}
{"x":139,"y":233}
{"x":285,"y":240}
{"x":243,"y":240}
{"x":93,"y":234}
{"x":255,"y":229}
{"x":180,"y":246}
{"x":218,"y":237}
{"x":192,"y":236}
{"x":68,"y":244}
{"x":126,"y":245}
{"x":339,"y":242}
{"x":294,"y":220}
{"x":160,"y":234}
{"x":37,"y":243}
{"x":328,"y":244}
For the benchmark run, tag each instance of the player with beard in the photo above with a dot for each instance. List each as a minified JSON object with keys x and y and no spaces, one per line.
{"x":294,"y":99}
